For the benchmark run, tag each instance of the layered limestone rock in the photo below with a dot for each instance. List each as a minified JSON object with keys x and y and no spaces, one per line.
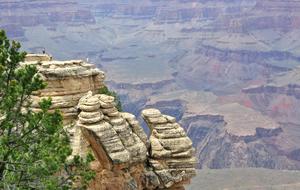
{"x":67,"y":82}
{"x":117,"y":143}
{"x":171,"y":152}
{"x":125,"y":158}
{"x":120,"y":145}
{"x":104,"y":127}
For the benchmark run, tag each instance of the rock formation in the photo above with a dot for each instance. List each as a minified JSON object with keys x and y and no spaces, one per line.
{"x":117,"y":146}
{"x":171,"y":153}
{"x":125,"y":157}
{"x":231,"y":45}
{"x":67,"y":82}
{"x":120,"y":145}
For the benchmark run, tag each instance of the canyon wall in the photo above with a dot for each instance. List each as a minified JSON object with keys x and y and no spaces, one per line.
{"x":192,"y":59}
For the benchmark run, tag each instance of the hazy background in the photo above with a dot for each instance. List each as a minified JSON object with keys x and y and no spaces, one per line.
{"x":227,"y":69}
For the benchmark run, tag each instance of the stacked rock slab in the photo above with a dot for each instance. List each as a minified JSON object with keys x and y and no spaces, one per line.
{"x":67,"y":82}
{"x":117,"y":143}
{"x":126,"y":158}
{"x":171,"y":152}
{"x":120,"y":146}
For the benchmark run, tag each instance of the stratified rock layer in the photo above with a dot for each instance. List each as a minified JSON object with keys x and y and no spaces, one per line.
{"x":104,"y":127}
{"x":171,"y":151}
{"x":125,"y":158}
{"x":120,"y":145}
{"x":67,"y":82}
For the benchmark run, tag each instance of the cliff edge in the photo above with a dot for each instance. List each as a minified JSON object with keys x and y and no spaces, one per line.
{"x":125,"y":157}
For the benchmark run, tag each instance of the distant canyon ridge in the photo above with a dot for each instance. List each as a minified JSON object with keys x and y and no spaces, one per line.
{"x":227,"y":70}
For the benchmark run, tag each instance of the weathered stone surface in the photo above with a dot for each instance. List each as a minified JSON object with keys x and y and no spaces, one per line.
{"x":67,"y":82}
{"x":126,"y":158}
{"x":120,"y":144}
{"x":38,"y":57}
{"x":172,"y":154}
{"x":151,"y":113}
{"x":135,"y":126}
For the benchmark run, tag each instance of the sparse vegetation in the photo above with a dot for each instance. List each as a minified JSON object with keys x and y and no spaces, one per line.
{"x":34,"y":147}
{"x":105,"y":90}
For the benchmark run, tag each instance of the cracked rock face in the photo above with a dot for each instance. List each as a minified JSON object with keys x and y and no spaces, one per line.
{"x":126,"y":159}
{"x":117,"y":141}
{"x":67,"y":82}
{"x":105,"y":127}
{"x":171,"y":152}
{"x":120,"y":145}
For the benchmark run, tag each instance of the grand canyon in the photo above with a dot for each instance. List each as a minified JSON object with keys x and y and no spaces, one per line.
{"x":227,"y":70}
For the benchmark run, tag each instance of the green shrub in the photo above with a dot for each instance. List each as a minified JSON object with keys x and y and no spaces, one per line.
{"x":34,"y":146}
{"x":105,"y":90}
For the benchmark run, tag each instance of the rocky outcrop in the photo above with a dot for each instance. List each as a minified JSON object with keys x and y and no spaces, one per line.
{"x":125,"y":160}
{"x":99,"y":118}
{"x":115,"y":140}
{"x":171,"y":151}
{"x":125,"y":157}
{"x":67,"y":82}
{"x":231,"y":45}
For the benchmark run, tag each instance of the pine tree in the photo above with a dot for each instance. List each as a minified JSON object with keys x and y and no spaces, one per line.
{"x":34,"y":147}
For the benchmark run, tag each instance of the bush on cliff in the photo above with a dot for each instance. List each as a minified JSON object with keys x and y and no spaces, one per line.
{"x":105,"y":90}
{"x":33,"y":145}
